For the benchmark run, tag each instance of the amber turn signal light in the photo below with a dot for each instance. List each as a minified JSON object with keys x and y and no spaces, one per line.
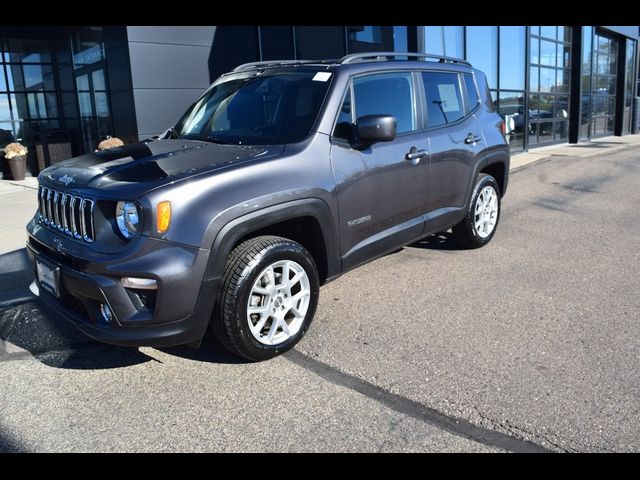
{"x":163,"y":215}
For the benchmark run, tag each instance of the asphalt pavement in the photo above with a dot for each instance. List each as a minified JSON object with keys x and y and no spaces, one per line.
{"x":531,"y":343}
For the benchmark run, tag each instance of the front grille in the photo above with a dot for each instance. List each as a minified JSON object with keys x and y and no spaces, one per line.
{"x":67,"y":213}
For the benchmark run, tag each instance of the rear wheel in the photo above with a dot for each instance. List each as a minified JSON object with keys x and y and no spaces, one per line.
{"x":268,"y":299}
{"x":479,"y":225}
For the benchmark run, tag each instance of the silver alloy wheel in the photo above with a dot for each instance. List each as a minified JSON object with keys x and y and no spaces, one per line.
{"x":278,"y":302}
{"x":486,"y":212}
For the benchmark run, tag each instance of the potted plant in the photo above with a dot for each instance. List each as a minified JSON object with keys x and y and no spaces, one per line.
{"x":110,"y":142}
{"x":16,"y":155}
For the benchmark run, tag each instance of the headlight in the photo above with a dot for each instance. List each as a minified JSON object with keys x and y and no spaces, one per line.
{"x":127,"y":218}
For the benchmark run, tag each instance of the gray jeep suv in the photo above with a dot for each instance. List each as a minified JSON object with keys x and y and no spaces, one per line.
{"x":282,"y":176}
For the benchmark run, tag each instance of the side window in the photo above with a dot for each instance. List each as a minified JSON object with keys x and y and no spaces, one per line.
{"x":472,"y":92}
{"x":444,"y":102}
{"x":386,"y":94}
{"x":343,"y":123}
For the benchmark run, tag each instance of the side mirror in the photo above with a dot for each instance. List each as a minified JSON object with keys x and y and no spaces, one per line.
{"x":370,"y":129}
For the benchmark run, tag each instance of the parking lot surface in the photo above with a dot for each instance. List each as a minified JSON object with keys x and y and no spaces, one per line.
{"x":529,"y":344}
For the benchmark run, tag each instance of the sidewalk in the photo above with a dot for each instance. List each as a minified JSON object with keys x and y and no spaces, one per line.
{"x":19,"y":199}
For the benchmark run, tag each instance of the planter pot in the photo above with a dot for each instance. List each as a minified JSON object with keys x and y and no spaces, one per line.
{"x":18,"y":166}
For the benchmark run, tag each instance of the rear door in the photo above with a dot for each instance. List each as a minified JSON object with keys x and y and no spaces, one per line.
{"x":455,"y":138}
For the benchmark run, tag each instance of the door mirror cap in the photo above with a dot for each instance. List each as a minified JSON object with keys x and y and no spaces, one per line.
{"x":370,"y":129}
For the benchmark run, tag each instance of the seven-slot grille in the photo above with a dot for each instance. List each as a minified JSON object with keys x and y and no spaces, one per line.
{"x":67,"y":213}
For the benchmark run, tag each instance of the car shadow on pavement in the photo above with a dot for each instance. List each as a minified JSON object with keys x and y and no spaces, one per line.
{"x":28,"y":328}
{"x":437,"y":241}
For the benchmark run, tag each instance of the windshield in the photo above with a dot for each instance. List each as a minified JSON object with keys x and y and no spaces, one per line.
{"x":268,"y":108}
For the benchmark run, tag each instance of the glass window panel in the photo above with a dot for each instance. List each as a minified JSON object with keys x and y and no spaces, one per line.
{"x":562,"y":80}
{"x":586,"y":83}
{"x":365,"y":34}
{"x":7,"y":134}
{"x":444,"y":102}
{"x":320,"y":42}
{"x":585,"y":113}
{"x":564,"y":55}
{"x":377,"y":38}
{"x":534,"y":50}
{"x":562,"y":107}
{"x":42,"y":108}
{"x":511,"y":109}
{"x":27,"y":50}
{"x":545,"y":113}
{"x":611,"y":106}
{"x":586,"y":49}
{"x":600,"y":104}
{"x":434,"y":40}
{"x":38,"y":77}
{"x":15,"y":79}
{"x":87,"y":45}
{"x":534,"y":79}
{"x":560,"y":33}
{"x":534,"y":103}
{"x":630,"y":80}
{"x":82,"y":82}
{"x":52,"y":105}
{"x":3,"y":82}
{"x":277,"y":42}
{"x":31,"y":101}
{"x":561,"y":131}
{"x":102,"y":106}
{"x":98,"y":80}
{"x":453,"y":41}
{"x":535,"y":30}
{"x":547,"y":53}
{"x":548,"y":31}
{"x":19,"y":105}
{"x":84,"y":99}
{"x":547,"y":79}
{"x":482,"y":51}
{"x":387,"y":94}
{"x":400,"y":42}
{"x":512,"y":57}
{"x":610,"y":124}
{"x":5,"y":111}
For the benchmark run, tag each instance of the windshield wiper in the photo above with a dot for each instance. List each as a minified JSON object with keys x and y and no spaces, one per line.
{"x":213,"y":139}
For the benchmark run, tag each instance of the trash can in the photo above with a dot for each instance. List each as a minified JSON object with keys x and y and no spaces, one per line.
{"x":635,"y":117}
{"x":52,"y":146}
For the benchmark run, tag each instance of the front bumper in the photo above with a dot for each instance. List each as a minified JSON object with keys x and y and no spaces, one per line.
{"x":183,"y":302}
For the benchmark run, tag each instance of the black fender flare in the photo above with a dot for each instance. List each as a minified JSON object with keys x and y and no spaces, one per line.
{"x":489,"y":158}
{"x":239,"y":227}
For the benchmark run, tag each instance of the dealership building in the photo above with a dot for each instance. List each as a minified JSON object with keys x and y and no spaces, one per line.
{"x":74,"y":86}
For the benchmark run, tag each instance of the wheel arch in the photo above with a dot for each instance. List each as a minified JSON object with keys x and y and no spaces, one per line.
{"x":308,"y":221}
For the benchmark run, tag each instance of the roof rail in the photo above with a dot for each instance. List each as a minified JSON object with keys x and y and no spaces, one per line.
{"x":275,"y":63}
{"x":376,"y":56}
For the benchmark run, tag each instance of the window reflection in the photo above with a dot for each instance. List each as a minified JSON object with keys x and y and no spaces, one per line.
{"x":512,"y":58}
{"x":482,"y":51}
{"x":377,"y":38}
{"x":444,"y":40}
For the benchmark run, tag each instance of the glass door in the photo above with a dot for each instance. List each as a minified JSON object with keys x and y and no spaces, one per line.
{"x":95,"y":116}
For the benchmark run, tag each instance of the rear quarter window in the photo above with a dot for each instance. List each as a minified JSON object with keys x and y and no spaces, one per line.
{"x":443,"y":96}
{"x":472,"y":92}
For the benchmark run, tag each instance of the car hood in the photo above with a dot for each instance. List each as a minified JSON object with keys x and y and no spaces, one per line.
{"x":145,"y":166}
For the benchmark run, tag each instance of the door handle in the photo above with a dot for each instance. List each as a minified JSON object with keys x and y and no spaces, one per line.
{"x":415,"y":155}
{"x":471,"y":138}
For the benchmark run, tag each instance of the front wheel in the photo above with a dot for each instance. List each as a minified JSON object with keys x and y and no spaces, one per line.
{"x":269,"y":296}
{"x":479,"y":225}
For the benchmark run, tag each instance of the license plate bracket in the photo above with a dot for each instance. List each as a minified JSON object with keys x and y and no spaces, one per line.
{"x":48,"y":277}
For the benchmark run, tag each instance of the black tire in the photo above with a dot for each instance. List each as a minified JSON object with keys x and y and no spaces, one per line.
{"x":464,"y":233}
{"x":245,"y":263}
